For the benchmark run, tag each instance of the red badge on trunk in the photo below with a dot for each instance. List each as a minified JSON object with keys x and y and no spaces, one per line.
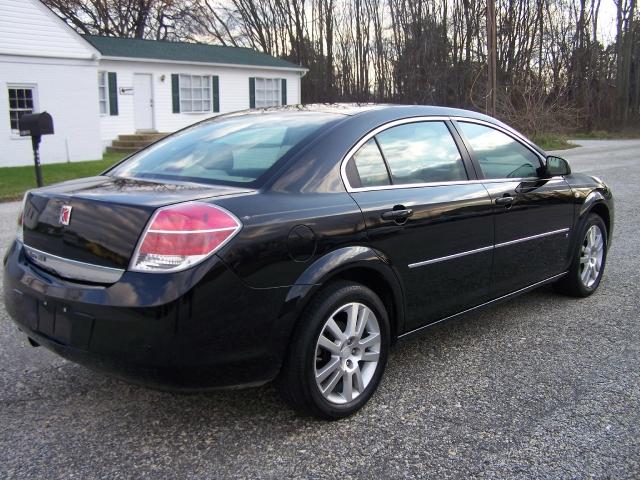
{"x":65,"y":214}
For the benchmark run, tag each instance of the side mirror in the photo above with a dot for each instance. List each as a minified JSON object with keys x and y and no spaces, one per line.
{"x":556,"y":166}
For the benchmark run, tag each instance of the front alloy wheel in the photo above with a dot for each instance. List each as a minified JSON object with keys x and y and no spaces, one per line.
{"x":337,"y":353}
{"x":589,"y":259}
{"x":591,"y":256}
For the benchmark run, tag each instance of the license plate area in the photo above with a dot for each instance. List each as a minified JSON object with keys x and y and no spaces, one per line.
{"x":59,"y":322}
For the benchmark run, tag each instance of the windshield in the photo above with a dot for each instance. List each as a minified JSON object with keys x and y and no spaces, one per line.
{"x":234,"y":150}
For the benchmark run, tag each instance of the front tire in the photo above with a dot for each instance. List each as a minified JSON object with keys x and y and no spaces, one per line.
{"x":338,"y":352}
{"x":589,"y":259}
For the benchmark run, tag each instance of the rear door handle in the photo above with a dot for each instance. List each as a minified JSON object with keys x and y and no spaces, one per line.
{"x":506,"y":201}
{"x":397,"y":215}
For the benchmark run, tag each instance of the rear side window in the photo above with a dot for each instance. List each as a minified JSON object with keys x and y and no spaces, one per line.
{"x":366,"y":168}
{"x":421,"y":152}
{"x":233,"y":150}
{"x":499,"y":155}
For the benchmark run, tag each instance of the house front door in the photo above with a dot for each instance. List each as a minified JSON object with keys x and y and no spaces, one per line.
{"x":143,"y":101}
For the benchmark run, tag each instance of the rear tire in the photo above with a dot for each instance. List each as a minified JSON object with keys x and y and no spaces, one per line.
{"x":588,"y":261}
{"x":338,"y":352}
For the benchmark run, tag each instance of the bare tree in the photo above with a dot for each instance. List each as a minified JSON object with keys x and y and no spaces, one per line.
{"x":550,"y":62}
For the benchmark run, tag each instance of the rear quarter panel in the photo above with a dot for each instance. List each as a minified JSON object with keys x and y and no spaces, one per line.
{"x":262,"y":254}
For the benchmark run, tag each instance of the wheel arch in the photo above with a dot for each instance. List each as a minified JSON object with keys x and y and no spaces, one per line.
{"x":597,"y":203}
{"x":602,"y":211}
{"x":359,"y":264}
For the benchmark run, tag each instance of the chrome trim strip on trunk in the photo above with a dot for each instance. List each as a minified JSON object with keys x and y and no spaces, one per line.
{"x":484,"y":249}
{"x":73,"y":269}
{"x":486,"y":304}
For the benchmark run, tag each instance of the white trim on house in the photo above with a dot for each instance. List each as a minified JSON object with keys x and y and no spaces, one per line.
{"x":15,"y":134}
{"x":303,"y":71}
{"x":58,"y":61}
{"x":103,"y":83}
{"x":264,"y":87}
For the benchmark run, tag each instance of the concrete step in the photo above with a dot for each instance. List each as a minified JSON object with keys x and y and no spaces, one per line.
{"x":134,"y":144}
{"x":142,"y":137}
{"x":121,"y":150}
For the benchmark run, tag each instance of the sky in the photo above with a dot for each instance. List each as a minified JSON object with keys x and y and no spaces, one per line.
{"x":607,"y":22}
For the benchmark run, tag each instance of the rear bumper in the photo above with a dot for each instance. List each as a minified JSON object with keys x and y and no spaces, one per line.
{"x":202,"y":328}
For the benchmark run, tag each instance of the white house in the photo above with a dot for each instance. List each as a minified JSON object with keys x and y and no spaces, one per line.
{"x":98,"y":88}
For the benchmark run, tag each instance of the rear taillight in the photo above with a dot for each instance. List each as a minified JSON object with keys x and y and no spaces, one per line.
{"x":179,"y":236}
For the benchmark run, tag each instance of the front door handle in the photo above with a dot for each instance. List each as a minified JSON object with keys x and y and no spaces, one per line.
{"x":506,"y":201}
{"x":398,"y":215}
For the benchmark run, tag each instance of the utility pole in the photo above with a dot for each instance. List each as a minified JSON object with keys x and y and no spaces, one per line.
{"x":492,"y":83}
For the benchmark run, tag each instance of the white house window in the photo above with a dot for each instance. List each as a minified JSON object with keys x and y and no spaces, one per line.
{"x":21,"y":101}
{"x":103,"y":93}
{"x":268,"y":92}
{"x":195,"y":93}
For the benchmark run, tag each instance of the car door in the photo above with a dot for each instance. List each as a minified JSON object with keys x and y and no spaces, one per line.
{"x":533,"y":214}
{"x":424,"y":215}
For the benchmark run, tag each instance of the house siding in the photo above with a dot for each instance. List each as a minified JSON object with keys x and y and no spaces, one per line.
{"x":68,"y":91}
{"x":233,"y":88}
{"x":38,"y":49}
{"x":30,"y":28}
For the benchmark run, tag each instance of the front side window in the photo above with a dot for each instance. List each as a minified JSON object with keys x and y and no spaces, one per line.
{"x":366,"y":167}
{"x":268,"y":92}
{"x":421,"y":152}
{"x":21,"y":101}
{"x":233,"y":150}
{"x":103,"y":93}
{"x":499,"y":155}
{"x":195,"y":93}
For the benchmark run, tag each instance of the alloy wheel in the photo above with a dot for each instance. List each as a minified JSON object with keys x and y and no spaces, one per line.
{"x":591,"y":256}
{"x":347,"y":353}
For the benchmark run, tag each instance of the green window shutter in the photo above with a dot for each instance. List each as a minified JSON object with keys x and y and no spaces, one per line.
{"x":113,"y":93}
{"x":284,"y":91}
{"x":215,"y":93}
{"x":175,"y":92}
{"x":252,"y":92}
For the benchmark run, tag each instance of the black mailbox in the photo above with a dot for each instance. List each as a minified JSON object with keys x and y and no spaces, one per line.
{"x":35,"y":124}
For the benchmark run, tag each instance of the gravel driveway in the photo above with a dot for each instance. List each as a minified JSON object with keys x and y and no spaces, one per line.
{"x":542,"y":387}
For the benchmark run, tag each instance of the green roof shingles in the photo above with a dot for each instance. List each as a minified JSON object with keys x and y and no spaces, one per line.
{"x":184,"y":52}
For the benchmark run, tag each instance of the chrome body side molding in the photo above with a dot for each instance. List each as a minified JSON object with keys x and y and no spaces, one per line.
{"x":489,"y":247}
{"x":532,"y":237}
{"x":450,"y":257}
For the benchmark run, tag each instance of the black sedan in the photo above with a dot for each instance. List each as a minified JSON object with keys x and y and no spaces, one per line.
{"x":297,"y":244}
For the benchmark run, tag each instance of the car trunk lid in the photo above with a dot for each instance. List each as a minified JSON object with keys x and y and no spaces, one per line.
{"x":106,"y":218}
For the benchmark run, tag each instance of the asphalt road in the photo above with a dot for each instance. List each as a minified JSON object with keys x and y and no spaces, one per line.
{"x":542,"y":387}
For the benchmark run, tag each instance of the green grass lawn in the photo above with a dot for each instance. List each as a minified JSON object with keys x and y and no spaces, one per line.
{"x":552,"y":141}
{"x":14,"y":181}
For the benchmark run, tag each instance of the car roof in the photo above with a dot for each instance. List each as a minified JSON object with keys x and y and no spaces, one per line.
{"x":360,"y":108}
{"x":354,"y":109}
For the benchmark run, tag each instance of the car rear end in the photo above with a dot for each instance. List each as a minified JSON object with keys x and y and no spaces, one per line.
{"x":135,"y":289}
{"x":119,"y":272}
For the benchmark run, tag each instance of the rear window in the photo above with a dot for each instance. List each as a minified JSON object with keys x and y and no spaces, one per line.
{"x":234,"y":150}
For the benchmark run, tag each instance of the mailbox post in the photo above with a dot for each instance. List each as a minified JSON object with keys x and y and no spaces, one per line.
{"x":35,"y":125}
